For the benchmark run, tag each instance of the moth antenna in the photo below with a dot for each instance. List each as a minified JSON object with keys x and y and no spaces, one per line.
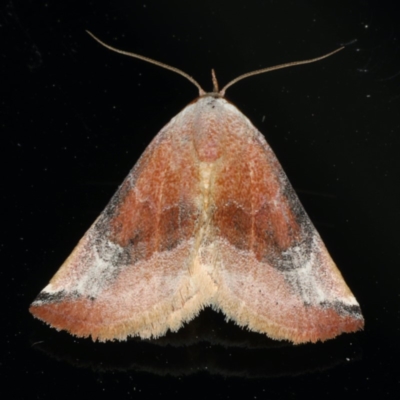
{"x":151,"y":61}
{"x":286,"y":65}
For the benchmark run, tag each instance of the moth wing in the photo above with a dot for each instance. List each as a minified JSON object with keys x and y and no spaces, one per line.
{"x":274,"y":274}
{"x":132,"y":273}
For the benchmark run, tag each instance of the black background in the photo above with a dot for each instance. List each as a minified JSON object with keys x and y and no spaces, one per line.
{"x":76,"y":117}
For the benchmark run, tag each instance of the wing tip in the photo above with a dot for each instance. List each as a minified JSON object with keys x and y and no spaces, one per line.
{"x":79,"y":320}
{"x":299,"y":336}
{"x":116,"y":331}
{"x":317,"y":324}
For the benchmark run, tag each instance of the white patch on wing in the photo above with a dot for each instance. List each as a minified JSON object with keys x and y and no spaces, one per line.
{"x":99,"y":265}
{"x":102,"y":269}
{"x":311,"y":279}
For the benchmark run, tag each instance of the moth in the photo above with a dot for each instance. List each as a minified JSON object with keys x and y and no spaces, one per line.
{"x":206,"y":217}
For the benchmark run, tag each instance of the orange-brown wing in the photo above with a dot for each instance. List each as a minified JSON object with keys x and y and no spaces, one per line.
{"x":273,"y":272}
{"x":133,"y":272}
